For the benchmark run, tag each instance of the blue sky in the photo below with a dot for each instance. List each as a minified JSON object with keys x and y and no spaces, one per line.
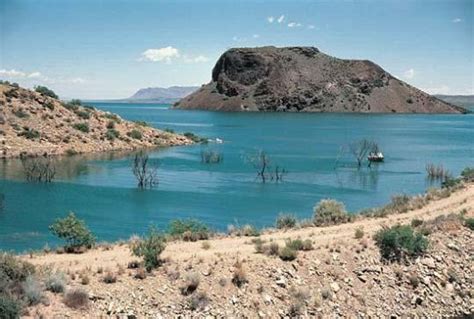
{"x":109,"y":49}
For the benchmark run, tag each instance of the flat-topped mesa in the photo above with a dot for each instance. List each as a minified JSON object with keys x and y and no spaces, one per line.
{"x":293,"y":79}
{"x":34,"y":124}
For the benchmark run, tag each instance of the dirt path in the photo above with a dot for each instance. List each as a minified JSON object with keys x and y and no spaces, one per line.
{"x":322,"y":236}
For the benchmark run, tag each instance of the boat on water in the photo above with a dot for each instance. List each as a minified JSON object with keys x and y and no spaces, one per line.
{"x":375,"y":157}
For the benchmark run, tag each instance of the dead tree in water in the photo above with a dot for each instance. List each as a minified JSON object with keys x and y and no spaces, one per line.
{"x":261,"y":161}
{"x":39,"y":169}
{"x":360,"y":150}
{"x":145,"y":174}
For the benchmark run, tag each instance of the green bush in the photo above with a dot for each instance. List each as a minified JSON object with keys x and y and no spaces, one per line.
{"x":49,"y":104}
{"x":468,"y":174}
{"x":76,"y":102}
{"x":296,"y":244}
{"x":285,"y":221}
{"x":136,"y":134}
{"x":330,"y":212}
{"x":13,"y":269}
{"x":287,"y":254}
{"x":83,"y":114}
{"x":469,"y":222}
{"x":9,"y":307}
{"x":20,"y":114}
{"x":112,"y":134}
{"x":45,"y":91}
{"x":141,"y":123}
{"x":83,"y":127}
{"x":196,"y":139}
{"x":74,"y":231}
{"x":111,"y":124}
{"x":30,"y":133}
{"x":399,"y":242}
{"x":150,"y":248}
{"x":188,"y":229}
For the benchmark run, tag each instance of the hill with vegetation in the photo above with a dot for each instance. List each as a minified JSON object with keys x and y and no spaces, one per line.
{"x":34,"y":123}
{"x":303,"y":79}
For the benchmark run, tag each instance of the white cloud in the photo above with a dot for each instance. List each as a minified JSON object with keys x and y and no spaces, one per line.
{"x":196,"y":59}
{"x":311,"y":26}
{"x":12,"y":73}
{"x":294,"y":25}
{"x":281,"y":19}
{"x":77,"y":80}
{"x":256,"y":36}
{"x":409,"y":74}
{"x":270,"y":19}
{"x":35,"y":75}
{"x":457,"y":20}
{"x":165,"y":54}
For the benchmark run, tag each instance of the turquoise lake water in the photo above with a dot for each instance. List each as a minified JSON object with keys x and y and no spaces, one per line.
{"x":102,"y":190}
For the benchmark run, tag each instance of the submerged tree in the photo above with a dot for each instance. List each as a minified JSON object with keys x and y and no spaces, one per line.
{"x":144,"y":171}
{"x":360,"y":149}
{"x":39,"y":169}
{"x":262,"y":163}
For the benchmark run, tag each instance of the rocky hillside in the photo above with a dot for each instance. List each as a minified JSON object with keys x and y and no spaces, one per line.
{"x":33,"y":124}
{"x":339,"y":274}
{"x":162,"y":95}
{"x":304,"y":79}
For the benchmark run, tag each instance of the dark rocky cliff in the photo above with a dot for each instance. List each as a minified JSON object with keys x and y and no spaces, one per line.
{"x":304,"y":79}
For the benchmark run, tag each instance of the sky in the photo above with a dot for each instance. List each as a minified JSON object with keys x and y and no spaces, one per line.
{"x":108,"y":49}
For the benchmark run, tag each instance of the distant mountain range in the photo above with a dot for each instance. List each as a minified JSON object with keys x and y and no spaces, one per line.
{"x":461,"y":100}
{"x":161,"y":95}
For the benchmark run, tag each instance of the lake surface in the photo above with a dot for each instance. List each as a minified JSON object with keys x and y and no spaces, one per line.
{"x":102,"y":190}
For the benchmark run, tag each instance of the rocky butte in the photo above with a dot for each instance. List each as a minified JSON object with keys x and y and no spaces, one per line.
{"x":303,"y":79}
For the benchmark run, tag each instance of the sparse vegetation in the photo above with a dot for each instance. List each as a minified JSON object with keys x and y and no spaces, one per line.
{"x":469,"y":222}
{"x":399,"y":242}
{"x":198,"y":301}
{"x":188,"y":230}
{"x":45,"y":91}
{"x":10,"y":308}
{"x":239,"y":278}
{"x":211,"y":157}
{"x":196,"y":139}
{"x":112,"y":134}
{"x":30,"y":133}
{"x":55,"y":282}
{"x":285,"y":221}
{"x":150,"y":248}
{"x":360,"y":150}
{"x":39,"y":169}
{"x":83,"y":127}
{"x":246,"y":230}
{"x":287,"y":253}
{"x":32,"y":290}
{"x":76,"y":298}
{"x":437,"y":172}
{"x":74,"y":231}
{"x":359,"y":233}
{"x":136,"y":134}
{"x":330,"y":212}
{"x":191,"y":282}
{"x":20,"y":114}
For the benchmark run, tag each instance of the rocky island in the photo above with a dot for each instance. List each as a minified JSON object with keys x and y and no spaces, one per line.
{"x":303,"y":79}
{"x":33,"y":124}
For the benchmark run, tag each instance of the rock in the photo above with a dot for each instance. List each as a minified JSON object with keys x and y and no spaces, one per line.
{"x":281,"y":282}
{"x":335,"y":287}
{"x":429,"y":262}
{"x":265,"y":78}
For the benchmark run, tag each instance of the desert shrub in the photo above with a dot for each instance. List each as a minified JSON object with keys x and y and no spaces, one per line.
{"x":85,"y":280}
{"x":45,"y":91}
{"x":285,"y":221}
{"x":49,"y":104}
{"x":469,"y":223}
{"x":307,"y":245}
{"x":330,"y":212}
{"x":399,"y":203}
{"x":296,"y":244}
{"x":55,"y":282}
{"x":246,"y":230}
{"x":9,"y":308}
{"x":205,"y":245}
{"x":191,"y":282}
{"x":83,"y":114}
{"x":410,"y":100}
{"x":211,"y":157}
{"x":32,"y":290}
{"x":196,"y":139}
{"x":113,"y":117}
{"x":20,"y":114}
{"x":273,"y":249}
{"x":189,"y":229}
{"x":239,"y":277}
{"x":359,"y":233}
{"x":150,"y":248}
{"x":136,"y":134}
{"x":415,"y":222}
{"x":141,"y":123}
{"x":76,"y":298}
{"x":468,"y":174}
{"x":134,"y":264}
{"x":29,"y":133}
{"x":112,"y":134}
{"x":258,"y":244}
{"x":287,"y":253}
{"x":109,"y":278}
{"x":74,"y":231}
{"x":14,"y":269}
{"x":110,"y":124}
{"x":414,"y":280}
{"x":140,"y":274}
{"x":75,"y":102}
{"x":198,"y":301}
{"x":83,"y":127}
{"x":399,"y":242}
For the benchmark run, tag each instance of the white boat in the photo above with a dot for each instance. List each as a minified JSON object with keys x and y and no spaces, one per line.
{"x":375,"y":157}
{"x":219,"y":141}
